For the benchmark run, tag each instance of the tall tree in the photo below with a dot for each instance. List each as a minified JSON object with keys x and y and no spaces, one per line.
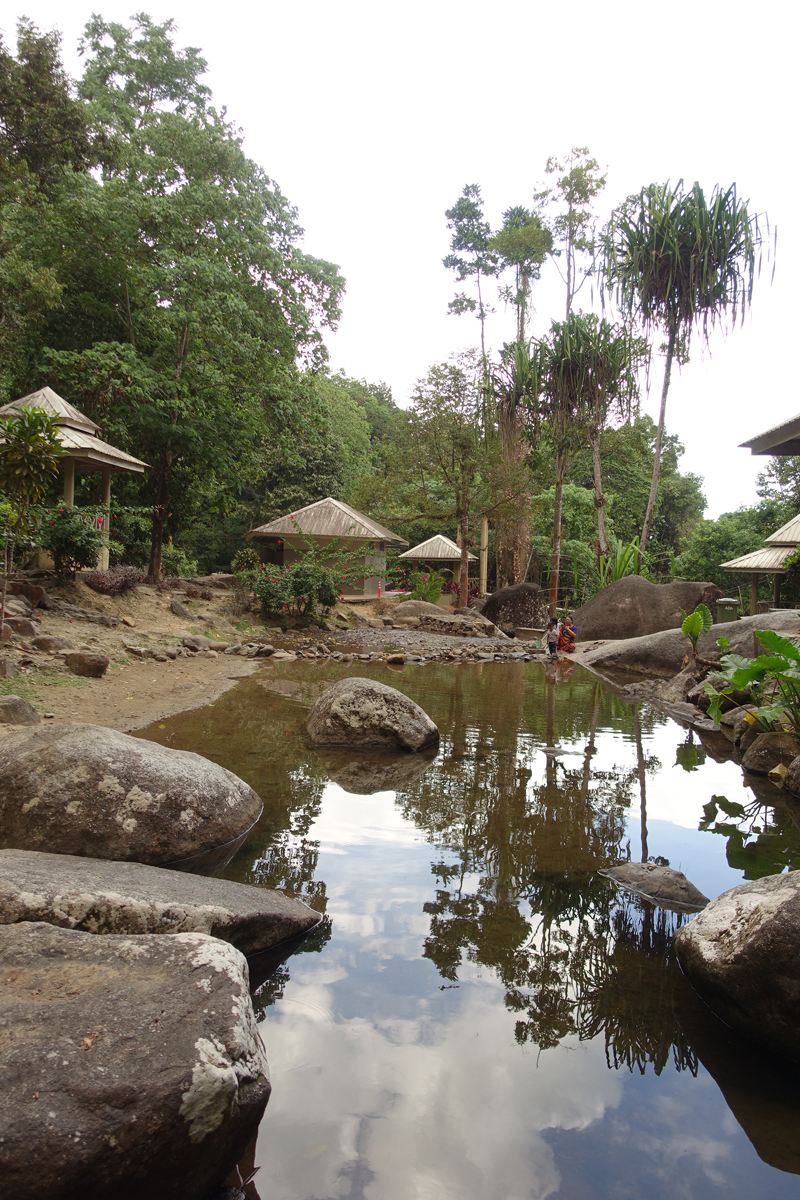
{"x":200,"y":302}
{"x":523,"y":243}
{"x":471,"y":256}
{"x":677,"y":261}
{"x":579,"y":182}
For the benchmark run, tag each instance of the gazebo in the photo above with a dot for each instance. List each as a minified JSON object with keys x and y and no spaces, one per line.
{"x":83,"y":450}
{"x":437,"y":549}
{"x":769,"y":561}
{"x":283,"y":541}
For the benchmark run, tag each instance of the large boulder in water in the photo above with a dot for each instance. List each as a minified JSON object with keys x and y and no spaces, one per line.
{"x":522,"y":606}
{"x":86,"y":790}
{"x":364,"y":714}
{"x":663,"y":653}
{"x":129,"y":1066}
{"x":124,"y":897}
{"x":663,"y":886}
{"x":633,"y":607}
{"x":367,"y":774}
{"x":742,"y":955}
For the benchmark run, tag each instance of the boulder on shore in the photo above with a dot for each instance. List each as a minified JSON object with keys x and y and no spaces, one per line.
{"x":364,"y":714}
{"x":523,"y":605}
{"x":663,"y":886}
{"x":90,"y":791}
{"x":663,"y":653}
{"x":125,"y":897}
{"x":133,"y":1064}
{"x":16,"y":711}
{"x":742,"y":955}
{"x":633,"y":607}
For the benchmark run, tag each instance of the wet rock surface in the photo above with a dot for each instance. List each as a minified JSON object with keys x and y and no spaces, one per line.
{"x":767,"y":750}
{"x":129,"y":898}
{"x":129,"y":1066}
{"x":96,"y":793}
{"x":662,"y":885}
{"x":742,"y":955}
{"x":362,"y":713}
{"x":376,"y":772}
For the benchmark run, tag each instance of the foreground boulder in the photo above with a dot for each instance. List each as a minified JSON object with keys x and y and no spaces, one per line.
{"x":524,"y":604}
{"x":415,"y":608}
{"x":663,"y":653}
{"x":132,"y":1064}
{"x":661,"y":885}
{"x":742,"y":955}
{"x":365,"y":714}
{"x":86,"y":790}
{"x":85,"y":663}
{"x":119,"y":897}
{"x":633,"y":607}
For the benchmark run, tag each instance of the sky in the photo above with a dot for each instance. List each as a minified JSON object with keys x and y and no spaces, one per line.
{"x":372,"y":117}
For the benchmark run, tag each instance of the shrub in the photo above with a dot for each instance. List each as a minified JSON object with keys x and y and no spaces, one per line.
{"x":73,"y":543}
{"x":245,"y":559}
{"x":177,"y":562}
{"x":271,"y":586}
{"x":303,"y":587}
{"x":427,"y":587}
{"x":115,"y":582}
{"x":196,"y":593}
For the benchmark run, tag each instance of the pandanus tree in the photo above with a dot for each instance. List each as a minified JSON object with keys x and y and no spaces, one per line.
{"x":680,"y":261}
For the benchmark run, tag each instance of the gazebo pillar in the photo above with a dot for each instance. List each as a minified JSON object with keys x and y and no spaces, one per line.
{"x":105,"y":497}
{"x":776,"y":590}
{"x":484,"y":557}
{"x":754,"y":578}
{"x":69,"y":482}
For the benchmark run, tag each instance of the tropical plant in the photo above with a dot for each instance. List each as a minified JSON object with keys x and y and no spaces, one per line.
{"x":428,"y":586}
{"x":245,"y":559}
{"x":772,"y":679}
{"x":522,"y":245}
{"x":579,"y":181}
{"x":621,"y":561}
{"x":695,"y":624}
{"x":678,"y":260}
{"x":471,"y":255}
{"x":114,"y":582}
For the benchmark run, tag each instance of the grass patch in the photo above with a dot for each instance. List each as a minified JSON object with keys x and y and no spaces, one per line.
{"x":30,"y":688}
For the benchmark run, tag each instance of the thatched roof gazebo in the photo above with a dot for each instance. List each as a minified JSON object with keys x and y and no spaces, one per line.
{"x":283,"y":541}
{"x":768,"y":561}
{"x":436,"y":549}
{"x":83,"y":450}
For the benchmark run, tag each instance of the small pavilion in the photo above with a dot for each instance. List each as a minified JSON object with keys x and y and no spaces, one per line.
{"x":285,"y":540}
{"x":769,"y":561}
{"x":437,"y":549}
{"x":83,"y":449}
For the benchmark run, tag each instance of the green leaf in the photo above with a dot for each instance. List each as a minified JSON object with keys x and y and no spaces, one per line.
{"x":775,"y":644}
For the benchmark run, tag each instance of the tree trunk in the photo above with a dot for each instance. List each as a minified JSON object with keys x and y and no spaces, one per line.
{"x":599,"y":498}
{"x":555,"y":561}
{"x":513,"y":535}
{"x":641,"y":771}
{"x":159,"y":519}
{"x":482,"y":317}
{"x":463,"y":586}
{"x":651,"y":500}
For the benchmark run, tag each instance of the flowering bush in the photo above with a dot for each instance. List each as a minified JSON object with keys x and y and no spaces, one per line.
{"x":114,"y":582}
{"x":452,"y":588}
{"x":73,"y":543}
{"x":303,"y":587}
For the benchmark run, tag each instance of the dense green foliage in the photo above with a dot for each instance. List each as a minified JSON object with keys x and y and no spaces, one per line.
{"x":73,"y":542}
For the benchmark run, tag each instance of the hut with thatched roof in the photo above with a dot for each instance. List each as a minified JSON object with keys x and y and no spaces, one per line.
{"x":83,"y":450}
{"x":437,"y":549}
{"x":768,"y":561}
{"x":325,"y":523}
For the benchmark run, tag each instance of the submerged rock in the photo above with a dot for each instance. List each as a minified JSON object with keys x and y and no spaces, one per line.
{"x":369,"y":715}
{"x":129,"y":1066}
{"x":742,"y":955}
{"x":86,"y":790}
{"x":662,"y":885}
{"x":123,"y":897}
{"x":366,"y":775}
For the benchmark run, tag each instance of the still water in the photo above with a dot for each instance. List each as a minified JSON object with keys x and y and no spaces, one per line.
{"x":481,"y":1015}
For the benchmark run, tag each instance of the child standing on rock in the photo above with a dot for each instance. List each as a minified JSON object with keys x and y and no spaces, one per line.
{"x":552,"y":636}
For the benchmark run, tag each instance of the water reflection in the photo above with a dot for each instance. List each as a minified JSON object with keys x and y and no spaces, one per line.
{"x":470,"y":943}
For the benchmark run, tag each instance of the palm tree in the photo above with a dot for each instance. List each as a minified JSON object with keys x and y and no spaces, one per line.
{"x":677,"y":260}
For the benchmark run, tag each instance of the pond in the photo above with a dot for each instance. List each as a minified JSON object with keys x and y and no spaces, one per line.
{"x":481,"y":1015}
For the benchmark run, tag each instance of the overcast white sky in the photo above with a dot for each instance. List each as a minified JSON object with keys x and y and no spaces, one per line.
{"x":372,"y":117}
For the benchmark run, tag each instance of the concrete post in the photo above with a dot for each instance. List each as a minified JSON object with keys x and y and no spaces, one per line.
{"x":69,"y":482}
{"x":484,"y":557}
{"x":754,"y":595}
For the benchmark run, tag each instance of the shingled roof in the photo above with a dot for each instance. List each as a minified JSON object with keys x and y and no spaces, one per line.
{"x":327,"y":518}
{"x":437,"y":549}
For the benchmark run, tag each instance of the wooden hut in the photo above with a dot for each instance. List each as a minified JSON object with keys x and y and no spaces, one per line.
{"x":83,"y":449}
{"x":284,"y":541}
{"x":437,"y":549}
{"x":768,"y":561}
